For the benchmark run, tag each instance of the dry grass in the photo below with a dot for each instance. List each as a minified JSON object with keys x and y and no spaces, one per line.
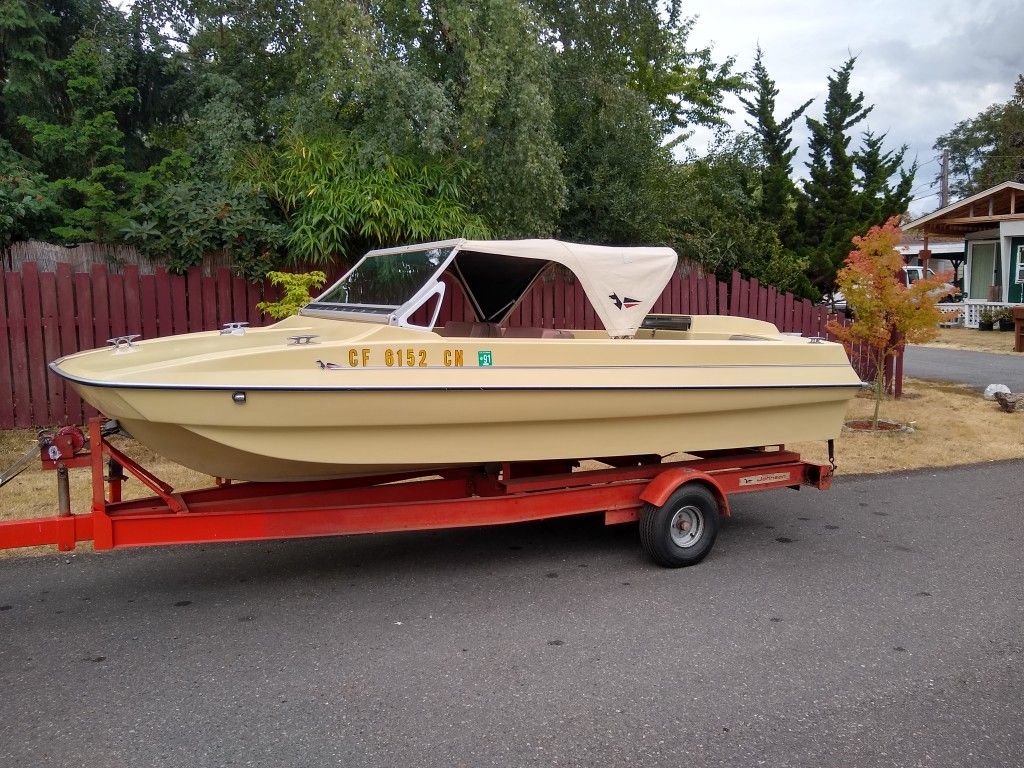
{"x":952,"y":425}
{"x":33,"y":493}
{"x":974,"y":340}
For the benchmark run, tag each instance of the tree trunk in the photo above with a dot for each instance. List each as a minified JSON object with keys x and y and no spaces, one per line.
{"x":879,"y":386}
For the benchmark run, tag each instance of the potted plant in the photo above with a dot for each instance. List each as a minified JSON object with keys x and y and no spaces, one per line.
{"x":986,"y":320}
{"x":1005,"y":319}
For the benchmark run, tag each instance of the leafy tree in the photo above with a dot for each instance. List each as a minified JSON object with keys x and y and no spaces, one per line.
{"x":24,"y":63}
{"x":627,"y":80}
{"x":719,"y":224}
{"x":34,"y":34}
{"x":250,"y":42}
{"x":987,"y":149}
{"x":296,"y":292}
{"x":778,"y":192}
{"x":618,"y":173}
{"x":166,"y":95}
{"x":24,"y":198}
{"x":312,"y":128}
{"x":643,"y":46}
{"x":183,"y":221}
{"x":335,"y":200}
{"x":887,"y":312}
{"x":503,"y":95}
{"x":84,"y":154}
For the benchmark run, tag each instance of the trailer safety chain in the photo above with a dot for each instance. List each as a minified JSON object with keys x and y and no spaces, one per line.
{"x":832,"y":454}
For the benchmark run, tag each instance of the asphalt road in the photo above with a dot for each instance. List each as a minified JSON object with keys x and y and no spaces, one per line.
{"x":978,"y":369}
{"x":879,"y":624}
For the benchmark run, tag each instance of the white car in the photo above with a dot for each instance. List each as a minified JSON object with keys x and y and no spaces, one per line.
{"x":911,"y":274}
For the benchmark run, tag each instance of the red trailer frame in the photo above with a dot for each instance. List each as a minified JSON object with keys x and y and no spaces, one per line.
{"x":412,"y":501}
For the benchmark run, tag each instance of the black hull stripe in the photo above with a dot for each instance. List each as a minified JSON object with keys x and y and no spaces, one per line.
{"x":259,"y":388}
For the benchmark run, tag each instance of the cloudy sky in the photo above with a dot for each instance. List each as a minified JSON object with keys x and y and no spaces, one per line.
{"x":924,"y":64}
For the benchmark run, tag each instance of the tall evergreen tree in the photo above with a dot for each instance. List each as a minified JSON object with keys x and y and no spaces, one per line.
{"x":84,"y":154}
{"x":827,"y":215}
{"x":878,"y":199}
{"x":778,"y":192}
{"x":24,"y":63}
{"x":847,"y":191}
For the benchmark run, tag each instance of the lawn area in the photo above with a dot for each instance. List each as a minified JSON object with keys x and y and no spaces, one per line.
{"x":971,"y":339}
{"x":952,"y":424}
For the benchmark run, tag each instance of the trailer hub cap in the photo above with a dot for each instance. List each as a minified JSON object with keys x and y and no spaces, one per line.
{"x":687,"y":526}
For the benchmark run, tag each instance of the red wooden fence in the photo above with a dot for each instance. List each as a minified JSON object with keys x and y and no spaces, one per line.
{"x":44,"y":315}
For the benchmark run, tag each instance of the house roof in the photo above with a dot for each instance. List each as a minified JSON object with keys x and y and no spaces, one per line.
{"x":936,"y":249}
{"x":1003,"y":202}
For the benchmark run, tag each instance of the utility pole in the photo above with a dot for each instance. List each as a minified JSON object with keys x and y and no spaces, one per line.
{"x":944,"y":188}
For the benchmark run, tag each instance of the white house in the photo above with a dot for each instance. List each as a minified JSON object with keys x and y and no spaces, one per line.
{"x":991,"y":224}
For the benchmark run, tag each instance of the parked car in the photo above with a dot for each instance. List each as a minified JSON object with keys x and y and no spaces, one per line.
{"x":911,"y":274}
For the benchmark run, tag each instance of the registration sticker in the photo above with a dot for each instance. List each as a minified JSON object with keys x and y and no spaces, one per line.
{"x":484,"y":358}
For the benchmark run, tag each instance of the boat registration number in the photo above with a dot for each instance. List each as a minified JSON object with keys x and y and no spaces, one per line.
{"x":405,"y":357}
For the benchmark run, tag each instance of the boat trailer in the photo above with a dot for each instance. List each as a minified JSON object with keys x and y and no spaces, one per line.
{"x":678,"y":504}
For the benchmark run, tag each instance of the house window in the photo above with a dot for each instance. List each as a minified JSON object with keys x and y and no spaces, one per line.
{"x":1020,"y":264}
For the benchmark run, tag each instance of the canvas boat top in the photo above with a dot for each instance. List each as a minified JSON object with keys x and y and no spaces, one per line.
{"x":389,"y":285}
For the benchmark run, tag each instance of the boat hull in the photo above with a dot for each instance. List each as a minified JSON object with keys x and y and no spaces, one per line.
{"x":308,"y":435}
{"x":357,"y":398}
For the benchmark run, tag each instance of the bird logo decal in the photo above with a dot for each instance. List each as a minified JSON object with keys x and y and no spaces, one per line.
{"x":624,"y":303}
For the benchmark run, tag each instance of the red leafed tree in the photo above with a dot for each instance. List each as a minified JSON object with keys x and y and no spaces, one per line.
{"x":887,"y":312}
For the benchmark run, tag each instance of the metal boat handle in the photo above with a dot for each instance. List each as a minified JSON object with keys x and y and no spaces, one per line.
{"x":122,"y":344}
{"x":305,"y":338}
{"x":234,"y":329}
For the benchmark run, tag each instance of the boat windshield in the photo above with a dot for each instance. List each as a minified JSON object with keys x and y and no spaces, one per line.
{"x":386,"y":280}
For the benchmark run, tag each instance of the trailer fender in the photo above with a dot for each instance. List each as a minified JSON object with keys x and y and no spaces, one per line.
{"x":666,"y":483}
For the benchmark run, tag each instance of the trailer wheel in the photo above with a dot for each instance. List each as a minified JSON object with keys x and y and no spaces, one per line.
{"x":682,"y":530}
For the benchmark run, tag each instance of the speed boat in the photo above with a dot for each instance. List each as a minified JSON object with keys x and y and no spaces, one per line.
{"x":363,"y":381}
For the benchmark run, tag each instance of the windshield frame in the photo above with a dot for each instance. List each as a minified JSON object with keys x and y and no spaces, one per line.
{"x":387,"y":314}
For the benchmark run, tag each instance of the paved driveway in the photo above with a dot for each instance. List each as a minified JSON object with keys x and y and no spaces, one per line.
{"x":879,"y":624}
{"x":978,"y":369}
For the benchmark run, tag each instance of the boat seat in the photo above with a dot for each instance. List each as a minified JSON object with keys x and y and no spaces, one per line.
{"x":470,"y":330}
{"x":524,"y":332}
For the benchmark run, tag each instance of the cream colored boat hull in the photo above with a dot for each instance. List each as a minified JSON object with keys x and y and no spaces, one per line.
{"x":537,"y":399}
{"x":468,"y":428}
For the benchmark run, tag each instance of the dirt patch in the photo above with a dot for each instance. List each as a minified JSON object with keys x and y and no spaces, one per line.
{"x":859,"y":425}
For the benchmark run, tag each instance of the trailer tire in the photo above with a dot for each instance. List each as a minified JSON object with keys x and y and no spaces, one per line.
{"x":682,"y":531}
